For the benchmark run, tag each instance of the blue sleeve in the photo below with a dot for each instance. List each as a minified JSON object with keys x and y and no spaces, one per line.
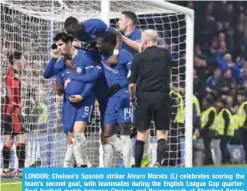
{"x":50,"y":70}
{"x":59,"y":79}
{"x":89,"y":77}
{"x":136,"y":36}
{"x":101,"y":26}
{"x":60,"y":64}
{"x":88,"y":86}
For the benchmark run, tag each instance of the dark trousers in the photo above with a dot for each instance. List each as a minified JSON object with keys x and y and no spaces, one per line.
{"x":244,"y":141}
{"x":224,"y":152}
{"x":208,"y":160}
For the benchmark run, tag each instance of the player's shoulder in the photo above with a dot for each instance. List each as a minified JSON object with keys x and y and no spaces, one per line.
{"x":83,"y":56}
{"x":137,"y":31}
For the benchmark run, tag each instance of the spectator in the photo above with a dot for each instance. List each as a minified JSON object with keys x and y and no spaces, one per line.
{"x":225,"y":84}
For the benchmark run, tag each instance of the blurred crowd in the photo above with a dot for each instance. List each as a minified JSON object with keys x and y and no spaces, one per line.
{"x":220,"y":50}
{"x":220,"y":70}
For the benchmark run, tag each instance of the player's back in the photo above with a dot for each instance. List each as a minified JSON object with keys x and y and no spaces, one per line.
{"x":92,"y":27}
{"x":117,"y":73}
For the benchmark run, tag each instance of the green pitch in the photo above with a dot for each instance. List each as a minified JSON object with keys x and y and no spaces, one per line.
{"x":11,"y":184}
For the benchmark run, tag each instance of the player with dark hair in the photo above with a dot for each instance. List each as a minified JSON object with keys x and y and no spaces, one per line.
{"x":87,"y":31}
{"x":78,"y":96}
{"x":11,"y":111}
{"x":132,"y":42}
{"x":131,"y":35}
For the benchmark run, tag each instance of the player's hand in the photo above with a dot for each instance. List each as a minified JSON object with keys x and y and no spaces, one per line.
{"x":69,"y":138}
{"x":75,"y":98}
{"x":132,"y":102}
{"x":113,"y":59}
{"x":58,"y":89}
{"x":113,"y":89}
{"x":55,"y":53}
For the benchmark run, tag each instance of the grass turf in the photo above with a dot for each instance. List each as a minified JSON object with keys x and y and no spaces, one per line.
{"x":11,"y":184}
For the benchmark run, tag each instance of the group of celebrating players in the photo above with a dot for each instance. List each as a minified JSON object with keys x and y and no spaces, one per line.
{"x":91,"y":61}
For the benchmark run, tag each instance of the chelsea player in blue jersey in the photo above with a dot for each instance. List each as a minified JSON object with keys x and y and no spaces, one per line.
{"x":118,"y":112}
{"x":131,"y":35}
{"x":79,"y":97}
{"x":87,"y":32}
{"x":132,"y":42}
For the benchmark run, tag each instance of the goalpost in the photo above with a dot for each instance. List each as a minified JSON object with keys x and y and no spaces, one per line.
{"x":29,"y":26}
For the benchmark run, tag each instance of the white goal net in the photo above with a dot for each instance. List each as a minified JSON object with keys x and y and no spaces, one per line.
{"x":30,"y":25}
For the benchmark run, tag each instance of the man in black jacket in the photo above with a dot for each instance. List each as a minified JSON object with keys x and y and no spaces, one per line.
{"x":150,"y":74}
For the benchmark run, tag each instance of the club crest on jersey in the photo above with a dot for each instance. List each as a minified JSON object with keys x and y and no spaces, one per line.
{"x":78,"y":70}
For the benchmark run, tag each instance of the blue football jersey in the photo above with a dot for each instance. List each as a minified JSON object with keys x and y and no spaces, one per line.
{"x":83,"y":64}
{"x":93,"y":27}
{"x":117,"y":73}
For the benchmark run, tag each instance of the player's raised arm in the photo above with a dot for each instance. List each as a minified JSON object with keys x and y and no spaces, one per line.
{"x":51,"y":70}
{"x":131,"y":35}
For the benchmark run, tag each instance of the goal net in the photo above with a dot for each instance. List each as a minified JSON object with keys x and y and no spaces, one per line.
{"x":30,"y":25}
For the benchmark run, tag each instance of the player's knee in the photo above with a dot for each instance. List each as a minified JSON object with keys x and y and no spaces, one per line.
{"x":125,"y":129}
{"x":8,"y":140}
{"x":108,"y":131}
{"x":79,"y":126}
{"x":103,"y":139}
{"x":162,"y":134}
{"x":79,"y":138}
{"x":142,"y":135}
{"x":21,"y":138}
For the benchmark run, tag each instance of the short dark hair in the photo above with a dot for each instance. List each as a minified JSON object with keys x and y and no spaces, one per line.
{"x":108,"y":37}
{"x":70,"y":21}
{"x":64,"y":37}
{"x":131,"y":15}
{"x":16,"y":55}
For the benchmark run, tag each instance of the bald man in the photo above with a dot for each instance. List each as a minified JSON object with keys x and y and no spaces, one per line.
{"x":150,"y":76}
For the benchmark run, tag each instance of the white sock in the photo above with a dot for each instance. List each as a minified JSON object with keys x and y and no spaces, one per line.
{"x":116,"y":144}
{"x":108,"y":155}
{"x":127,"y":150}
{"x":80,"y":149}
{"x":69,"y":156}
